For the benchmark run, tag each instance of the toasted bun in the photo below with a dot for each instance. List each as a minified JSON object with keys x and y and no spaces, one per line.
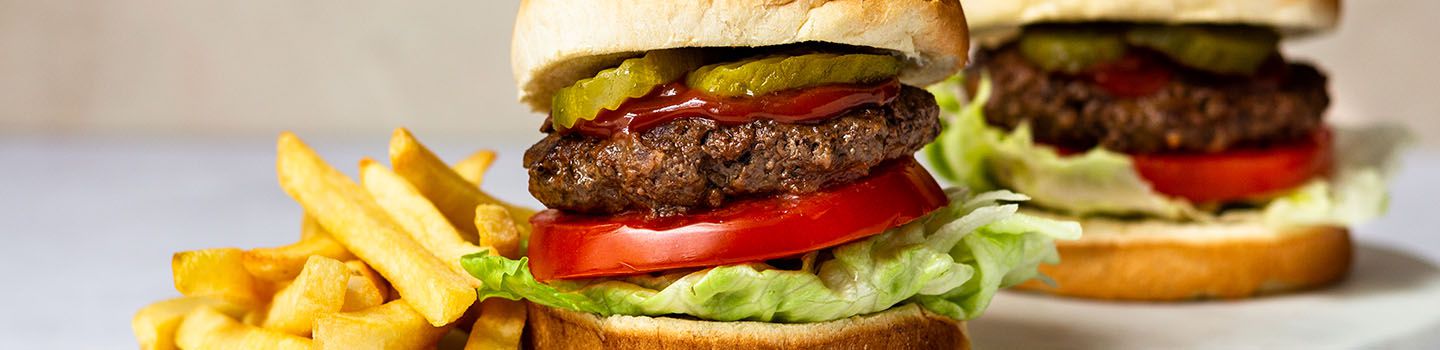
{"x":558,"y":42}
{"x":903,"y":327}
{"x":988,"y":17}
{"x":1165,"y":261}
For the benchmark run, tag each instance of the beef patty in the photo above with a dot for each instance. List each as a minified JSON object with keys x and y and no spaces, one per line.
{"x":1194,"y":112}
{"x":695,"y":163}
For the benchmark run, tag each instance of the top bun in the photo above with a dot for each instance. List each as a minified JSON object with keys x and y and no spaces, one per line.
{"x":558,"y":42}
{"x":1290,"y":16}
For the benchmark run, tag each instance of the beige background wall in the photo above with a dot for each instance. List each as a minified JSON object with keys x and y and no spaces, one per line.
{"x":159,"y":67}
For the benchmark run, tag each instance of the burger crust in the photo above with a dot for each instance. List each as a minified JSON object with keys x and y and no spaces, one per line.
{"x":904,"y":327}
{"x":1166,"y":261}
{"x":1292,"y":16}
{"x":558,"y":42}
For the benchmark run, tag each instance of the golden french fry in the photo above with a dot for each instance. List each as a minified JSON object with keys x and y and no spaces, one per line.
{"x":453,"y":340}
{"x":155,"y":324}
{"x":218,"y":273}
{"x":391,"y":326}
{"x":309,"y":227}
{"x":499,"y":326}
{"x":359,"y":268}
{"x":497,"y":230}
{"x":284,"y":262}
{"x":454,"y":196}
{"x":198,"y":327}
{"x":365,"y":289}
{"x":319,"y":290}
{"x":254,"y":317}
{"x":351,"y":215}
{"x":207,"y":328}
{"x":473,"y":168}
{"x":417,"y":215}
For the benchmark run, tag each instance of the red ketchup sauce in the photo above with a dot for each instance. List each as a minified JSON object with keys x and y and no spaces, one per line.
{"x":675,"y":100}
{"x":1131,"y":76}
{"x":1138,"y":75}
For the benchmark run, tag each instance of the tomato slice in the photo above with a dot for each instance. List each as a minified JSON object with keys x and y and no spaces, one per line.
{"x":1237,"y":174}
{"x":565,"y":245}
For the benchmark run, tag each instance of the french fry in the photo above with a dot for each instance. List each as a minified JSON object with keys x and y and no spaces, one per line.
{"x":417,"y":215}
{"x":254,"y":317}
{"x":155,"y":324}
{"x":451,"y":193}
{"x":453,"y":340}
{"x":207,"y":328}
{"x":501,"y":321}
{"x":473,"y":168}
{"x":284,"y":262}
{"x":365,"y":289}
{"x":391,"y":326}
{"x":309,"y":227}
{"x":497,"y":230}
{"x":319,"y":290}
{"x":354,"y":219}
{"x":218,"y":273}
{"x":499,"y":326}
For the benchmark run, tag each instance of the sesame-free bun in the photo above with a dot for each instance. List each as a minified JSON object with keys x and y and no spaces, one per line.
{"x":904,"y":327}
{"x":558,"y":42}
{"x":1291,"y":16}
{"x":1157,"y":260}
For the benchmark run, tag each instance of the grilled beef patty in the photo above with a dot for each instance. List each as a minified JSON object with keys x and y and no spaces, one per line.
{"x":694,"y":163}
{"x":1195,"y":112}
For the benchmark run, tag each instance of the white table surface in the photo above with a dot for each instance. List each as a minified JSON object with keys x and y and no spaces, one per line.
{"x":89,"y":224}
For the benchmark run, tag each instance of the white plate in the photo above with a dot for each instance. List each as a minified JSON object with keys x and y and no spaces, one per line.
{"x":1392,"y":300}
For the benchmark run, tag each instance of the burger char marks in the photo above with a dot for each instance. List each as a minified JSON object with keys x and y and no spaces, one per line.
{"x":695,"y":163}
{"x":1192,"y":112}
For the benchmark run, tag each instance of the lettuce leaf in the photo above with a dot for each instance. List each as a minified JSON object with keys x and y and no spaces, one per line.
{"x":971,"y":152}
{"x":1100,"y":182}
{"x":951,"y":262}
{"x":1365,"y":158}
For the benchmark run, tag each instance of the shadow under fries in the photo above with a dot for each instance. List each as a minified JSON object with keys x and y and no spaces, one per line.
{"x":1389,"y":300}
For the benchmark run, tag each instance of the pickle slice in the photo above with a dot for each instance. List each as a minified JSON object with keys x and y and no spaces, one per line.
{"x":1070,"y":49}
{"x":755,"y":77}
{"x":609,"y":88}
{"x":1219,"y":49}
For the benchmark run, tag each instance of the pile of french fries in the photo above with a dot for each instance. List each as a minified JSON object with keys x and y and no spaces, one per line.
{"x":377,"y":265}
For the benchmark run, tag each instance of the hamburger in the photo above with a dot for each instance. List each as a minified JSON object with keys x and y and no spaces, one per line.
{"x":740,"y":173}
{"x":1190,"y":148}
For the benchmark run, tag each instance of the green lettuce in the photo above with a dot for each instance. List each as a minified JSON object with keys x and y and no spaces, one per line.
{"x":1364,"y":157}
{"x":951,"y":261}
{"x":1100,"y":182}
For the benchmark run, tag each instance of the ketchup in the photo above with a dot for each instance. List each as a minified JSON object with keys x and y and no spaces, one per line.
{"x":675,"y":100}
{"x":1131,"y":76}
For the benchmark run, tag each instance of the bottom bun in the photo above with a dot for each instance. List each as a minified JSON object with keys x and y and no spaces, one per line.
{"x":1166,"y":261}
{"x":903,"y":327}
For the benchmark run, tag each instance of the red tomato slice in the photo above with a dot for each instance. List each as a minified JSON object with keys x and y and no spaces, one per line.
{"x":1237,"y":174}
{"x":564,"y":246}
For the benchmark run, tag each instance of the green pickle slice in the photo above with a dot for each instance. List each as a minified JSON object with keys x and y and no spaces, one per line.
{"x":1219,"y":49}
{"x":760,"y":76}
{"x":635,"y":77}
{"x":1070,"y":49}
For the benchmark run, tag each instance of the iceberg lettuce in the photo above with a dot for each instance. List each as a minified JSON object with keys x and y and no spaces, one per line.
{"x":951,"y":261}
{"x":1099,"y":182}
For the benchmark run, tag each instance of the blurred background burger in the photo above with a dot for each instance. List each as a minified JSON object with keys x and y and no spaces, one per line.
{"x":1193,"y":150}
